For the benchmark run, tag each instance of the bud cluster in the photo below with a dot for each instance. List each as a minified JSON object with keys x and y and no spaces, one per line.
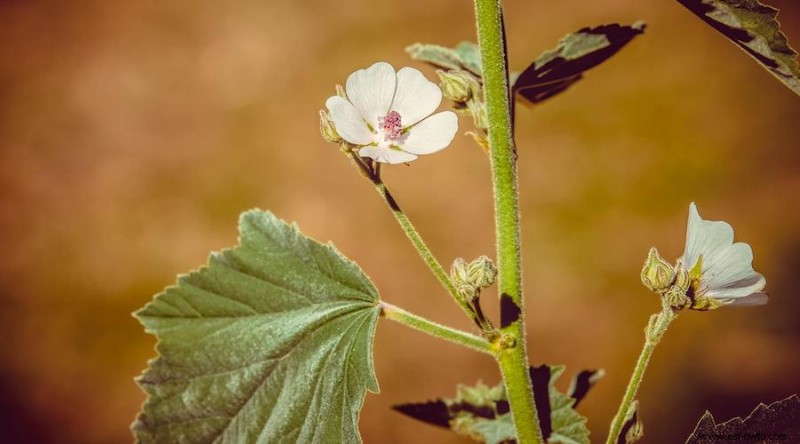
{"x":672,"y":283}
{"x":465,"y":91}
{"x":470,"y":279}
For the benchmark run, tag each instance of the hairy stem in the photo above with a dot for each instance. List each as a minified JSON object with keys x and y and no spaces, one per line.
{"x":397,"y":314}
{"x":423,"y":250}
{"x":372,"y":172}
{"x":655,"y":330}
{"x":513,"y":361}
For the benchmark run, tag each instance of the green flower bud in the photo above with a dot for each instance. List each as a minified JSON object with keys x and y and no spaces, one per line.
{"x":676,"y":298}
{"x":657,"y":274}
{"x":479,"y":114}
{"x":327,"y":129}
{"x":467,"y":293}
{"x":459,"y":273}
{"x":482,"y":272}
{"x":682,"y":279}
{"x":458,"y":86}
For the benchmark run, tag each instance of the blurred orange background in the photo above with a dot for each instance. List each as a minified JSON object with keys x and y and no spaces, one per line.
{"x":132,"y":134}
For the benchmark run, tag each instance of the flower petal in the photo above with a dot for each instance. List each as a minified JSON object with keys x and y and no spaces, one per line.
{"x":727,"y":268}
{"x":348,"y":121}
{"x":759,"y":298}
{"x":709,"y":238}
{"x":371,"y":91}
{"x":416,"y":97}
{"x":432,"y":134}
{"x":384,"y":154}
{"x":731,"y":275}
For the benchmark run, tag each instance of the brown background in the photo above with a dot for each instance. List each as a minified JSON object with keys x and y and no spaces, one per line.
{"x":134,"y":133}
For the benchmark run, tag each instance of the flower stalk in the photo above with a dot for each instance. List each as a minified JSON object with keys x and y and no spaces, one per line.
{"x":655,"y":330}
{"x":371,"y":170}
{"x":513,"y":361}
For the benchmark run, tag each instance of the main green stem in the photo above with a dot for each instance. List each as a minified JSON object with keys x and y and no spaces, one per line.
{"x":440,"y":331}
{"x":655,"y":330}
{"x":513,"y":361}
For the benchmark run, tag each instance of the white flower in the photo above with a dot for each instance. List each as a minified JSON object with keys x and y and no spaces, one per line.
{"x":721,"y":270}
{"x":388,"y":114}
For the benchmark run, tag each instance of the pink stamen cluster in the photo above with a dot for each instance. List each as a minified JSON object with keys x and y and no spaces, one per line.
{"x":391,"y":125}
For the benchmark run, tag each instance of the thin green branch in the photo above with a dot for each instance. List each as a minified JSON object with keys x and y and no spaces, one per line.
{"x":434,"y":329}
{"x":655,"y":330}
{"x":513,"y":361}
{"x":372,"y":172}
{"x":416,"y":240}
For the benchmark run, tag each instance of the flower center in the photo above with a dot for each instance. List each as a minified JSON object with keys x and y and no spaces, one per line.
{"x":391,"y":126}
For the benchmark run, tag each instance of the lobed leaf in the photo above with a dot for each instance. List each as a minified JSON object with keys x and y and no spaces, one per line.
{"x":270,"y":342}
{"x":753,"y":27}
{"x":482,"y":413}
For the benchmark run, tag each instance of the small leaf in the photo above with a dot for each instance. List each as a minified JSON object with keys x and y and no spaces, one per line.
{"x":582,"y":383}
{"x":481,"y":412}
{"x":470,"y":56}
{"x":494,"y":431}
{"x":442,"y":57}
{"x":269,"y":342}
{"x":779,"y":421}
{"x":632,"y":427}
{"x":568,"y":426}
{"x":559,"y":68}
{"x":753,"y":27}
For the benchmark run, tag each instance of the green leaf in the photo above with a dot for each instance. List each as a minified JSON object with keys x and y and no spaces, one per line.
{"x":494,"y":431}
{"x":552,"y":72}
{"x":465,"y":56}
{"x":470,"y":56}
{"x":270,"y":342}
{"x":482,"y":413}
{"x":752,"y":26}
{"x":569,"y":427}
{"x":632,"y":428}
{"x":777,"y":422}
{"x":559,"y":68}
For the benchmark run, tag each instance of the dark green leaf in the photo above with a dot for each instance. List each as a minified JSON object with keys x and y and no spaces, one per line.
{"x":270,"y":342}
{"x":777,"y":422}
{"x":559,"y":68}
{"x":582,"y":383}
{"x":481,"y":412}
{"x":752,"y":26}
{"x":568,"y":426}
{"x":632,"y":428}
